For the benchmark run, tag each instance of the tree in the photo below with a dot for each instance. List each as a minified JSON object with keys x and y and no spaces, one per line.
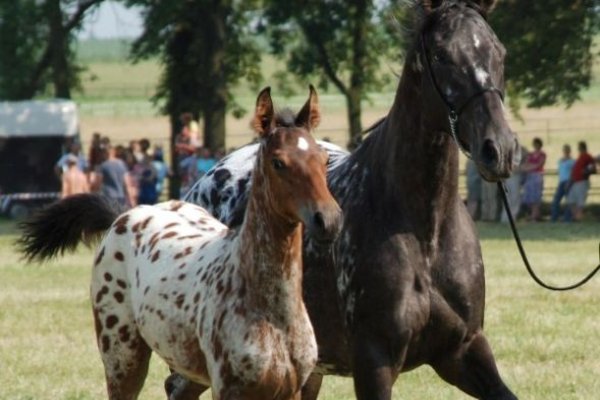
{"x":344,"y":41}
{"x":549,"y":48}
{"x":35,"y":49}
{"x":206,"y":47}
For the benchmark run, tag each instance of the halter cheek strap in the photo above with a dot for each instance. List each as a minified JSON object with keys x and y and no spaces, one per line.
{"x":454,"y":112}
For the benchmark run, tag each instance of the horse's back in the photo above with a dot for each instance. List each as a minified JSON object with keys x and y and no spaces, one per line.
{"x":224,"y":190}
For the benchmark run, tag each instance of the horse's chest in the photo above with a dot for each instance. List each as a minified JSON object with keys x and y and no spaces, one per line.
{"x":254,"y":353}
{"x":390,"y":273}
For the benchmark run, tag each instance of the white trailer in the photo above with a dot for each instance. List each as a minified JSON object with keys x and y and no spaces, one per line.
{"x":33,"y":135}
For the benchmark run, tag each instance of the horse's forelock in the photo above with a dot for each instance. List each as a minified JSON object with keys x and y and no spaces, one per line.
{"x":285,"y":118}
{"x":414,"y":18}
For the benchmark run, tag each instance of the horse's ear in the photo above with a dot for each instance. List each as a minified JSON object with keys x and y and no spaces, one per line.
{"x":486,"y":6}
{"x":262,"y":122}
{"x":310,"y":114}
{"x":430,"y":5}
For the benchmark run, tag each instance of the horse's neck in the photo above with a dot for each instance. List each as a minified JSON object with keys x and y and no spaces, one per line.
{"x":271,"y":256}
{"x":415,"y":165}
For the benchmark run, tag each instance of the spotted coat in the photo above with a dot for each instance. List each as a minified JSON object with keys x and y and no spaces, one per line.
{"x":169,"y":277}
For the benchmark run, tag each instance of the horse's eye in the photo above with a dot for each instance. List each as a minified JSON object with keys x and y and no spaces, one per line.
{"x":278,"y":164}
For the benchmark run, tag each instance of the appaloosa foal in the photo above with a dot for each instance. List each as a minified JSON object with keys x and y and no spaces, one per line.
{"x":222,"y":308}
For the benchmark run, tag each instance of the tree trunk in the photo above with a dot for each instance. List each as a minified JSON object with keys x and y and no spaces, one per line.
{"x":58,"y":42}
{"x":215,"y":100}
{"x":357,"y":73}
{"x":214,"y":123}
{"x":175,"y":179}
{"x":353,"y":103}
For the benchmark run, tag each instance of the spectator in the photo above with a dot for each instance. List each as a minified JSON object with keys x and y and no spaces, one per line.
{"x":184,"y":147}
{"x":580,"y":181}
{"x":145,"y":147}
{"x":95,"y":153}
{"x":565,"y":166}
{"x":74,"y":181}
{"x":489,"y":201}
{"x":75,"y":150}
{"x":473,"y":188}
{"x":133,"y":172}
{"x":534,"y":182}
{"x":111,"y":178}
{"x":205,"y":161}
{"x":147,"y":183}
{"x":514,"y":185}
{"x":187,"y":140}
{"x":194,"y":167}
{"x":161,"y":168}
{"x":135,"y":148}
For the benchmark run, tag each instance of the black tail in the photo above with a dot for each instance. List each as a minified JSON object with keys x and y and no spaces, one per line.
{"x":62,"y":225}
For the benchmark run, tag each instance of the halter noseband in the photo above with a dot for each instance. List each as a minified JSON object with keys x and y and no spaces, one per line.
{"x":454,"y":112}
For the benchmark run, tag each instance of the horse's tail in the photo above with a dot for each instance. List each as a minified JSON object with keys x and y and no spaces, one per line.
{"x":61,"y":226}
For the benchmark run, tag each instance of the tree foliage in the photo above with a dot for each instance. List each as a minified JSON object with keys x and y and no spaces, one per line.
{"x":549,"y":48}
{"x":342,"y":42}
{"x":206,"y":48}
{"x":20,"y":47}
{"x":35,"y":50}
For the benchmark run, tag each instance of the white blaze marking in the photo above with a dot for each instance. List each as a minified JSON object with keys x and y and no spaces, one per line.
{"x":302,"y":144}
{"x":476,"y":41}
{"x":481,"y":75}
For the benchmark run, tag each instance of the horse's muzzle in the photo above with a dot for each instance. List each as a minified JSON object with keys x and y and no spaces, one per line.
{"x":324,"y":223}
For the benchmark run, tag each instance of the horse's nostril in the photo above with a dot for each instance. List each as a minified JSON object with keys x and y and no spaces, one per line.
{"x":489,"y":152}
{"x":319,"y":220}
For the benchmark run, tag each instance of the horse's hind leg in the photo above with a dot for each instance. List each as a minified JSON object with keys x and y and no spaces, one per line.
{"x":472,"y":369}
{"x":310,"y":390}
{"x":125,"y":355}
{"x":180,"y":388}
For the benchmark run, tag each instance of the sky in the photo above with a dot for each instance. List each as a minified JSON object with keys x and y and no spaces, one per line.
{"x":112,"y":20}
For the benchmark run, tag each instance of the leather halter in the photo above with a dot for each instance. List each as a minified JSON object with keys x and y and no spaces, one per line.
{"x":454,"y":112}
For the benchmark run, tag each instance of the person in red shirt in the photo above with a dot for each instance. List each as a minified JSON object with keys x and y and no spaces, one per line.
{"x":580,"y":181}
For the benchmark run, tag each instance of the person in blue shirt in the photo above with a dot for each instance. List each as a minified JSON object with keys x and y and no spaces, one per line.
{"x":162,"y":169}
{"x":565,"y":165}
{"x":205,"y":161}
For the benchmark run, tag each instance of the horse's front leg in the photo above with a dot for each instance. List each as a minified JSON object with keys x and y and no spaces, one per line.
{"x":375,"y":368}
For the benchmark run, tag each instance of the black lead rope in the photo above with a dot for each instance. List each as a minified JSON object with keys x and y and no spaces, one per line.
{"x":530,"y":270}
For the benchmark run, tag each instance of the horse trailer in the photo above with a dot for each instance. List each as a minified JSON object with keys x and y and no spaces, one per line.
{"x":33,"y":136}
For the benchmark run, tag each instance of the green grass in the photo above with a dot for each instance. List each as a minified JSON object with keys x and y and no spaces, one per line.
{"x":546,"y":344}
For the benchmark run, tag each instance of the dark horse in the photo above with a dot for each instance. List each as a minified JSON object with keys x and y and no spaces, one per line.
{"x":404,"y":284}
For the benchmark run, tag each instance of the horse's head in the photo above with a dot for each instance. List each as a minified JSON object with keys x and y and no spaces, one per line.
{"x":294,"y":166}
{"x":463,"y":66}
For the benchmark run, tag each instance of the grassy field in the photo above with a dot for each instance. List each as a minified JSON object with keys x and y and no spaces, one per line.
{"x":546,"y":344}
